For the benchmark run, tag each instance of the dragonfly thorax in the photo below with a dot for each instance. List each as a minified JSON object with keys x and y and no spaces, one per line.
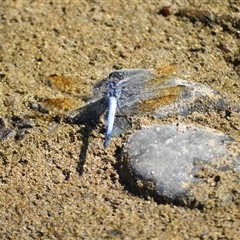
{"x":114,"y":90}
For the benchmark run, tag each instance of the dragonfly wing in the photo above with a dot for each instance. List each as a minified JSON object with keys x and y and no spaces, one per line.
{"x":89,"y":113}
{"x":121,"y":125}
{"x":100,"y":88}
{"x":133,"y":79}
{"x":150,"y":95}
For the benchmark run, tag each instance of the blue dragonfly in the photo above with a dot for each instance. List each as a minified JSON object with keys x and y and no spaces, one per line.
{"x":131,"y":91}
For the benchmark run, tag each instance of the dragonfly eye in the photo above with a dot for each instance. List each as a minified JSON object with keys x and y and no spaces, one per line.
{"x":116,"y":76}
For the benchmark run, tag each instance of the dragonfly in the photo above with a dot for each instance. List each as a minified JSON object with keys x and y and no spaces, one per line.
{"x":130,"y":91}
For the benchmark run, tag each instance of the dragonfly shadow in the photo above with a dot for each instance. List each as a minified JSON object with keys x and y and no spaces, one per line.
{"x":85,"y":133}
{"x":90,"y":119}
{"x":89,"y":116}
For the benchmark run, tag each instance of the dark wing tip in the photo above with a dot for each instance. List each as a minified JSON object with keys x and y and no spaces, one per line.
{"x":89,"y":113}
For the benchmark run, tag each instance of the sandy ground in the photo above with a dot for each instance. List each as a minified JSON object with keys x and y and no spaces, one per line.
{"x":57,"y":181}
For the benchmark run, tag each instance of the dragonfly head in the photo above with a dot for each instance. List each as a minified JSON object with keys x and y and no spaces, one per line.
{"x":116,"y":76}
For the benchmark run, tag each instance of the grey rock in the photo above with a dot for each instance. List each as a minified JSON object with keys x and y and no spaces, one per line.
{"x":196,"y":97}
{"x":164,"y":158}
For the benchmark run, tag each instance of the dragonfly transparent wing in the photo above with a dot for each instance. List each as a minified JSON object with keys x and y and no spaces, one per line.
{"x":146,"y":91}
{"x":89,"y":113}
